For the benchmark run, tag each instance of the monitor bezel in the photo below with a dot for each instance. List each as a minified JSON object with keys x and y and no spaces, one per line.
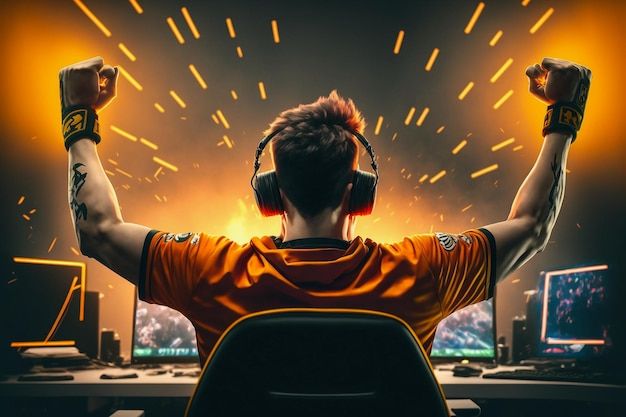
{"x":475,"y":359}
{"x":142,"y":360}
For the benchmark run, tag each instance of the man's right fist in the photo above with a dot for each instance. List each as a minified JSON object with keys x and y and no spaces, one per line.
{"x":556,"y":80}
{"x":88,"y":83}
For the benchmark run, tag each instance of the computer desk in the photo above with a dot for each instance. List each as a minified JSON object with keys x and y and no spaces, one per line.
{"x":88,"y":384}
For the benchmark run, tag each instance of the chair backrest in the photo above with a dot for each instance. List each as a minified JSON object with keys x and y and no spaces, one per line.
{"x":318,"y":362}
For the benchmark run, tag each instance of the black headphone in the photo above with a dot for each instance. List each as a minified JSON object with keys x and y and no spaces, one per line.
{"x":267,"y":194}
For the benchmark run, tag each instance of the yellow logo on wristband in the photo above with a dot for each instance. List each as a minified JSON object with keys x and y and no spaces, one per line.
{"x":75,"y":121}
{"x":569,"y":116}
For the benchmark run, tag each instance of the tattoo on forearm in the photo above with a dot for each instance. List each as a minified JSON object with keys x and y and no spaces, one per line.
{"x":556,"y":184}
{"x":78,"y":180}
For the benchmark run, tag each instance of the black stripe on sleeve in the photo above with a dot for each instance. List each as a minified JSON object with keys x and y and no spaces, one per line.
{"x":492,"y":247}
{"x":141,"y":282}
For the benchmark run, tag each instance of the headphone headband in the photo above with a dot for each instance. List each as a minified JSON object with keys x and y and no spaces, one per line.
{"x":263,"y":143}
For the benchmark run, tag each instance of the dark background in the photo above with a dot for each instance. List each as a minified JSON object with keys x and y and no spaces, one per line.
{"x":323,"y":45}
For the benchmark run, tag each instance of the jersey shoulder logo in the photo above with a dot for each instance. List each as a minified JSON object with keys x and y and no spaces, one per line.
{"x":181,"y":237}
{"x":446,"y":240}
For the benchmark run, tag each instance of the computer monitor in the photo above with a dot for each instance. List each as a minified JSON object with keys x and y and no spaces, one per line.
{"x":574,"y":312}
{"x":162,"y":335}
{"x":467,"y":334}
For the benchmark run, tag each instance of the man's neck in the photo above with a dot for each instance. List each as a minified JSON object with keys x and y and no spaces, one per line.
{"x":324,"y":225}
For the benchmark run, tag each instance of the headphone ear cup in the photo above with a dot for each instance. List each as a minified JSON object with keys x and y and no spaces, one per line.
{"x":267,"y":194}
{"x":363,"y":194}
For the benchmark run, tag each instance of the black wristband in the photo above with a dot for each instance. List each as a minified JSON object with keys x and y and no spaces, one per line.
{"x":567,"y":116}
{"x":79,"y":122}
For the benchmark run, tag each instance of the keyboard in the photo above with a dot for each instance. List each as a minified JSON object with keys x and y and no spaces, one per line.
{"x":557,"y":374}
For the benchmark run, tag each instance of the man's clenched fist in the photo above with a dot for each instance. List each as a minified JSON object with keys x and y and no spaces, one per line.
{"x":556,"y":80}
{"x":89,"y":83}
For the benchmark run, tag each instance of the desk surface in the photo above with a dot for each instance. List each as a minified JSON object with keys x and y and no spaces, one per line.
{"x":89,"y":384}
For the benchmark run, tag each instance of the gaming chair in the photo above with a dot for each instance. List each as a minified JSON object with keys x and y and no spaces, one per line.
{"x":318,"y":362}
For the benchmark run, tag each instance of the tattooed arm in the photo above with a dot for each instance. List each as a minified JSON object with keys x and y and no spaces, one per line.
{"x":535,"y":208}
{"x":538,"y":201}
{"x":101,"y":231}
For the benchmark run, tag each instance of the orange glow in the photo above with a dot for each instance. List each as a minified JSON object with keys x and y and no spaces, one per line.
{"x":148,"y":143}
{"x":222,"y":118}
{"x":275,"y":31}
{"x":239,"y":52}
{"x":54,"y":241}
{"x":43,"y":344}
{"x":474,"y":18}
{"x":398,"y":45}
{"x":190,"y":23}
{"x":159,"y":108}
{"x":233,"y":94}
{"x":93,"y":18}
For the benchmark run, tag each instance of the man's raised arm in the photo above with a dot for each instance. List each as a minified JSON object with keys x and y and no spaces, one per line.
{"x":564,"y":86}
{"x":102,"y":234}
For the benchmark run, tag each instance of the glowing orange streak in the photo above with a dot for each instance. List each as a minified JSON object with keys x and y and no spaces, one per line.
{"x":502,"y":144}
{"x":262,"y":90}
{"x":148,"y":143}
{"x":20,"y":200}
{"x":423,"y":116}
{"x":223,"y":119}
{"x":409,"y":116}
{"x":239,"y":52}
{"x":177,"y":98}
{"x":466,"y":90}
{"x":233,"y":93}
{"x":440,"y":129}
{"x":439,"y":175}
{"x":175,"y":30}
{"x":228,"y":142}
{"x":525,"y":2}
{"x":398,"y":45}
{"x":484,"y":171}
{"x":495,"y":38}
{"x":159,"y":107}
{"x":190,"y":23}
{"x":503,"y":68}
{"x":503,"y":99}
{"x":136,"y":6}
{"x":541,"y":20}
{"x":474,"y":18}
{"x":231,"y":28}
{"x":432,"y":59}
{"x":198,"y":77}
{"x":54,"y":241}
{"x":458,"y":147}
{"x":379,"y":124}
{"x":130,"y":78}
{"x":275,"y":31}
{"x":121,"y":171}
{"x":127,"y":52}
{"x":42,"y":344}
{"x":124,"y":133}
{"x":93,"y":18}
{"x":165,"y":164}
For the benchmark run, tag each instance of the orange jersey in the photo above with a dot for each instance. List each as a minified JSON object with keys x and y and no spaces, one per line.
{"x":213,"y":281}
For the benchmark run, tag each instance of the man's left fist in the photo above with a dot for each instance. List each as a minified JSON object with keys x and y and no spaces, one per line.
{"x":88,"y":83}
